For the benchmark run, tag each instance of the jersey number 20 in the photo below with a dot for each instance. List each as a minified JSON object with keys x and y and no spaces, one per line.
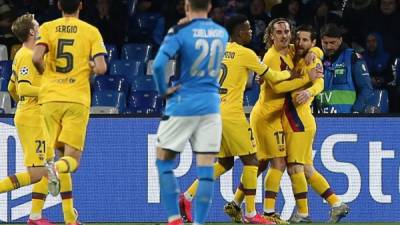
{"x":214,"y":51}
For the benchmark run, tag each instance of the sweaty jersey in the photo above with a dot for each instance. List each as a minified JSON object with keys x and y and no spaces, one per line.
{"x":199,"y":46}
{"x":24,"y":72}
{"x":237,"y":63}
{"x":298,"y":117}
{"x":269,"y":102}
{"x":71,"y":43}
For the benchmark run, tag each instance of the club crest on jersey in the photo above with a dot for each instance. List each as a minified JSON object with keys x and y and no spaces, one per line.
{"x":24,"y":71}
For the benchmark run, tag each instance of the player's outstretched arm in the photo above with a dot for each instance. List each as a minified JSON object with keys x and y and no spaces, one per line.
{"x":273,"y":76}
{"x":289,"y":85}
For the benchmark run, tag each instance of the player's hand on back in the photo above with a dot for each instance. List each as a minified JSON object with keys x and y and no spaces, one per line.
{"x":259,"y":80}
{"x":310,"y":58}
{"x":171,"y":91}
{"x":315,"y":73}
{"x":302,"y":96}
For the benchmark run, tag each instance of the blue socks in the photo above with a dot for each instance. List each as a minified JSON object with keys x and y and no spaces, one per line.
{"x":204,"y":194}
{"x":168,"y":187}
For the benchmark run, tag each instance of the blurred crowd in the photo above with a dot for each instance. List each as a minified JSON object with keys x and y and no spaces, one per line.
{"x":370,"y":25}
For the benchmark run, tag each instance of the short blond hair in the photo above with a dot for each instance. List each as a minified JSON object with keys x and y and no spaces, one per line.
{"x":22,"y":26}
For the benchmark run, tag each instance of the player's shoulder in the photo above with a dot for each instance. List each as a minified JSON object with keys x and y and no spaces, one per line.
{"x":196,"y":23}
{"x":246,"y":52}
{"x":86,"y":25}
{"x":52,"y":23}
{"x":179,"y":27}
{"x":271,"y":53}
{"x":23,"y":53}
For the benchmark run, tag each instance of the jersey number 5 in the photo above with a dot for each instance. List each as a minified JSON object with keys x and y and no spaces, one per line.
{"x":62,"y":54}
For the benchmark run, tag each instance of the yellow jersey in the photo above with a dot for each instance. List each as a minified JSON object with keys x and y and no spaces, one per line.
{"x":270,"y":102}
{"x":24,"y":72}
{"x":298,"y":117}
{"x":71,"y":44}
{"x":237,"y":63}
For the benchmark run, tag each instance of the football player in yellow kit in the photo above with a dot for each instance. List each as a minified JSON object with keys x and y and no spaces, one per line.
{"x":237,"y":136}
{"x":300,"y":128}
{"x":75,"y":50}
{"x":265,"y":118}
{"x":24,"y":87}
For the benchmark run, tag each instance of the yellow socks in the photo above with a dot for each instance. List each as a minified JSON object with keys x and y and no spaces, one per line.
{"x":66,"y":196}
{"x":66,"y":164}
{"x":249,"y":181}
{"x":299,"y":186}
{"x":239,"y":195}
{"x":191,"y":191}
{"x":271,"y":184}
{"x":321,"y":186}
{"x":39,"y":194}
{"x":14,"y":181}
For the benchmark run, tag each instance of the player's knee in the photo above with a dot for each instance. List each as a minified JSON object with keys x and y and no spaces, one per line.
{"x":205,"y":159}
{"x":36,"y":173}
{"x":262,"y":166}
{"x":249,"y":160}
{"x":227,"y":163}
{"x":164,"y":154}
{"x":308,"y":171}
{"x":294,"y":168}
{"x":279,"y":164}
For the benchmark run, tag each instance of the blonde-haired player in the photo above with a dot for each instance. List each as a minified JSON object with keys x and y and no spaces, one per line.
{"x":265,"y":118}
{"x":74,"y":50}
{"x":24,"y":88}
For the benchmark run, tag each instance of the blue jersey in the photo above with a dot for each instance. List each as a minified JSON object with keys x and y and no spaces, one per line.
{"x":199,"y":46}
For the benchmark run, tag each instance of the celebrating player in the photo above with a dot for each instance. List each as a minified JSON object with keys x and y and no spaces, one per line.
{"x":237,"y":136}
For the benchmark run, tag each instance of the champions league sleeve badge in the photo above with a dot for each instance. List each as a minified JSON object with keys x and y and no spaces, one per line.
{"x":24,"y":71}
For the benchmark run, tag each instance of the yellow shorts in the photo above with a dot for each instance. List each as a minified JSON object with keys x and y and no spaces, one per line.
{"x":36,"y":150}
{"x":269,"y":136}
{"x":299,"y":147}
{"x":65,"y":122}
{"x":237,"y":138}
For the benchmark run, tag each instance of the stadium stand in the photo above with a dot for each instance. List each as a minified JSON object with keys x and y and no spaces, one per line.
{"x":136,"y":52}
{"x":110,"y":102}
